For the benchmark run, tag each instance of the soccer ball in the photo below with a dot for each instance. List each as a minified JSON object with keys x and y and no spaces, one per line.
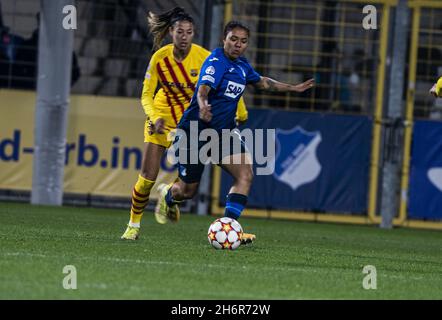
{"x":225,"y":233}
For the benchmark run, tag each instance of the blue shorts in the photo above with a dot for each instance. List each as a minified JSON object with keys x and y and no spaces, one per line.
{"x":193,"y":154}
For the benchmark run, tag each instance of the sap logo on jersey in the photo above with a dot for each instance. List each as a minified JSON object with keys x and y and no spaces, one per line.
{"x":296,"y":162}
{"x":234,"y":89}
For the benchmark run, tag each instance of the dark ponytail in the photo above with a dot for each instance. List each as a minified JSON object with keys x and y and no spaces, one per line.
{"x":159,"y":24}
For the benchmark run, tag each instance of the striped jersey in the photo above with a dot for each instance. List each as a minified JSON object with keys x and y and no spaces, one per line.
{"x":177,"y":82}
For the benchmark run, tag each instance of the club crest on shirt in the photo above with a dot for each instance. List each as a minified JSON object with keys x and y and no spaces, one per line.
{"x":193,"y":72}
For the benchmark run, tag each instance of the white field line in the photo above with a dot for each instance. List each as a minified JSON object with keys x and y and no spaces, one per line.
{"x":199,"y":265}
{"x":159,"y":262}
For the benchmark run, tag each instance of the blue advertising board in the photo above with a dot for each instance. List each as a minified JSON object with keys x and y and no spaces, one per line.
{"x":425,"y":188}
{"x":321,"y":163}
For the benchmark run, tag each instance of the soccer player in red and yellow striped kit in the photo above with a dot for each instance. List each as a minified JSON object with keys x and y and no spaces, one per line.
{"x":175,"y":68}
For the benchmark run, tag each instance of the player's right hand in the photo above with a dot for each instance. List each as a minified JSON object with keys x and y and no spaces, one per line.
{"x":205,"y":113}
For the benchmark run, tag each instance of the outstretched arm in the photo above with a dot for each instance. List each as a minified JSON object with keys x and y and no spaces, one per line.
{"x":269,"y":84}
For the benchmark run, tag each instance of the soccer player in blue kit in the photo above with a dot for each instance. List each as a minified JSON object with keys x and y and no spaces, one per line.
{"x":222,"y":81}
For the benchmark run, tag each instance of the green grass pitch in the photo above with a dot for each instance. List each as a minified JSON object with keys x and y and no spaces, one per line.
{"x":290,"y":260}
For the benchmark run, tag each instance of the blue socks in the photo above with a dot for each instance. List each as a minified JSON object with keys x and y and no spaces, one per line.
{"x":235,"y":204}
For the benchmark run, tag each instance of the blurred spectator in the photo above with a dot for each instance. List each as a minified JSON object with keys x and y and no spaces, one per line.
{"x":29,"y":59}
{"x":19,"y":59}
{"x":9,"y":54}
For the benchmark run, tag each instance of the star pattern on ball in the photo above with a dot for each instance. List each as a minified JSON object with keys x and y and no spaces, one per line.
{"x":225,"y":234}
{"x":212,"y":235}
{"x":227,"y":244}
{"x":226,"y":227}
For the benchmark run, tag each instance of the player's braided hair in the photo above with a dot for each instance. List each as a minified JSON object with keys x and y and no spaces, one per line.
{"x":159,"y":23}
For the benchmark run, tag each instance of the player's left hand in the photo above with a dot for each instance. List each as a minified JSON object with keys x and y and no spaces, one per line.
{"x":305,"y":85}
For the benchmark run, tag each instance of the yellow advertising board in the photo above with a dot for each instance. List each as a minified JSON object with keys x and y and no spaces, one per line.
{"x":103,"y":149}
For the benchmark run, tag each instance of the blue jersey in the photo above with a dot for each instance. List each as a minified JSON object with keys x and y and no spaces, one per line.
{"x":227,"y":80}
